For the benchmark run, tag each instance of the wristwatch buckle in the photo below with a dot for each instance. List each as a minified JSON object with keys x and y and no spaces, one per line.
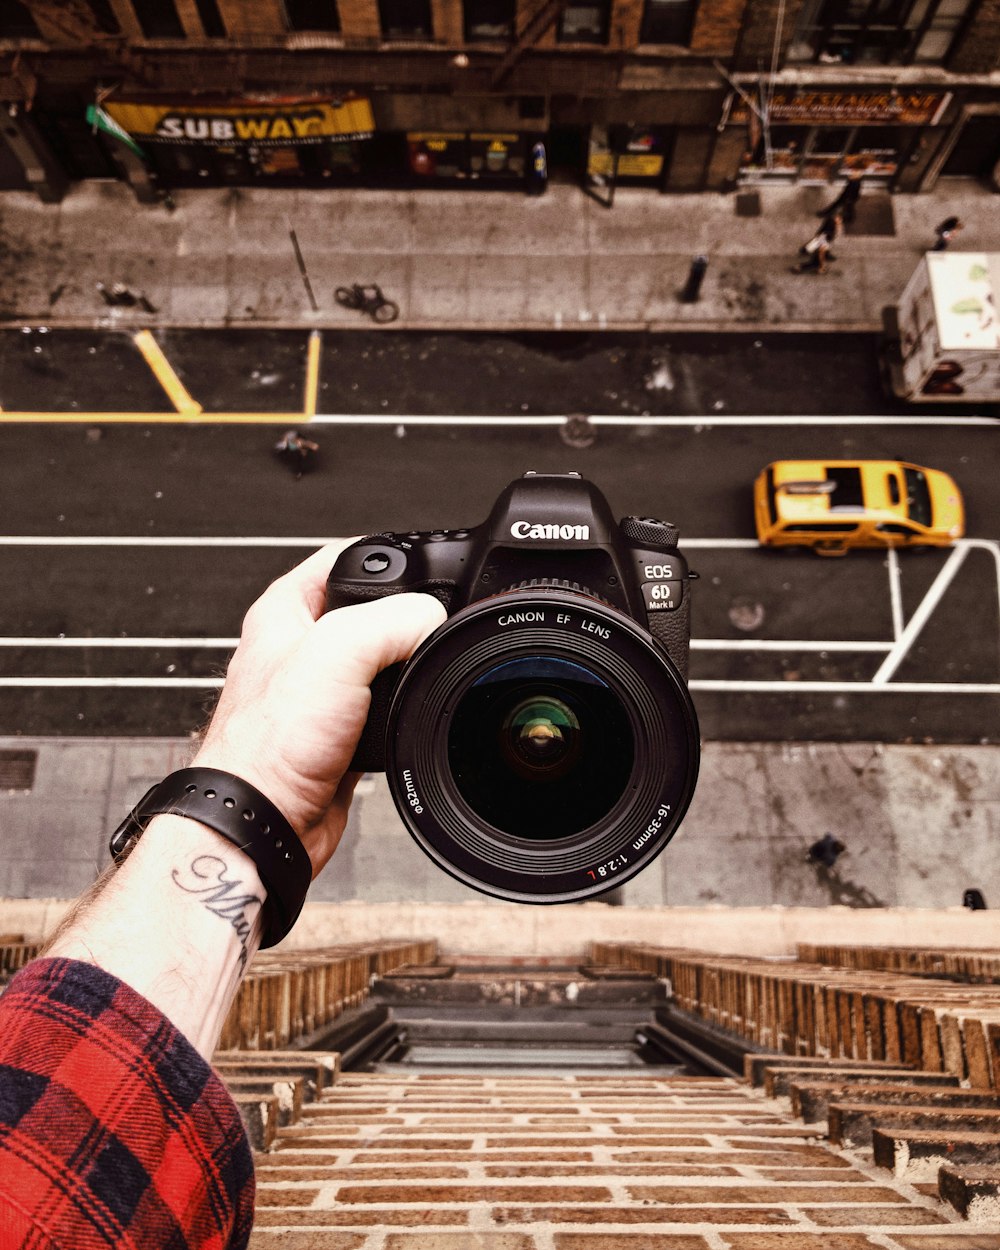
{"x":130,"y":828}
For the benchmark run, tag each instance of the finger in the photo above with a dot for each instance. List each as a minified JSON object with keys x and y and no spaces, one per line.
{"x":361,"y":640}
{"x":300,"y":595}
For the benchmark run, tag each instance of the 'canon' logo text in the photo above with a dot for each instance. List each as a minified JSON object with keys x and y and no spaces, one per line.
{"x":525,"y":529}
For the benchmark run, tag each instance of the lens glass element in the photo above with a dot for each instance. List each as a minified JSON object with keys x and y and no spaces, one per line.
{"x":540,"y":747}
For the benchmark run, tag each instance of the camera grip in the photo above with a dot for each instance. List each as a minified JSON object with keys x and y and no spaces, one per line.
{"x":370,"y":754}
{"x":672,"y":630}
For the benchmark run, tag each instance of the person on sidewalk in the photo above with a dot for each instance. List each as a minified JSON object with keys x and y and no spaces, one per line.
{"x":946,"y":231}
{"x":818,"y":251}
{"x":846,"y":201}
{"x":826,"y":851}
{"x":114,"y":1130}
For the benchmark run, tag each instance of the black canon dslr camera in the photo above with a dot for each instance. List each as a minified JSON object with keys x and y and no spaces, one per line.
{"x":541,"y":746}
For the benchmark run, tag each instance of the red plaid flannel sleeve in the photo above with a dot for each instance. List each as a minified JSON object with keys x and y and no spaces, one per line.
{"x":114,"y":1132}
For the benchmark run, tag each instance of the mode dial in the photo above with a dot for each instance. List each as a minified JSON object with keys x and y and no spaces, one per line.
{"x":646,"y":531}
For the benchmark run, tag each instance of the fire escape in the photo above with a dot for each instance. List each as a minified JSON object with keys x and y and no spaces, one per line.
{"x":75,"y":22}
{"x":545,"y":16}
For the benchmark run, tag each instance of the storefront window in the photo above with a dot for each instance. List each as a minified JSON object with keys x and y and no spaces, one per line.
{"x":847,"y":32}
{"x":826,"y":153}
{"x":458,"y":155}
{"x":159,"y":19}
{"x":405,"y":19}
{"x":489,"y":20}
{"x":312,"y":15}
{"x":874,"y":151}
{"x":668,"y":21}
{"x":584,"y":23}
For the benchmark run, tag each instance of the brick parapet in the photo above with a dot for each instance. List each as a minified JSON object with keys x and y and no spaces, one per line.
{"x":287,"y":997}
{"x":970,"y":965}
{"x":798,"y":1008}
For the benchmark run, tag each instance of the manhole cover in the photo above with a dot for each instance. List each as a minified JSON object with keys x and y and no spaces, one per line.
{"x":17,"y":769}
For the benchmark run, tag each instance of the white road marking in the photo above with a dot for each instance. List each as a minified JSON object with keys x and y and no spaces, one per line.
{"x":920,"y":618}
{"x":106,"y":540}
{"x":334,"y":418}
{"x":846,"y":687}
{"x":895,"y":651}
{"x":116,"y":641}
{"x":131,"y":683}
{"x":895,"y":594}
{"x":778,"y":644}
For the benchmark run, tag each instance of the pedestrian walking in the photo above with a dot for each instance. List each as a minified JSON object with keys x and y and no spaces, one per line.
{"x":296,"y":452}
{"x":946,"y":231}
{"x":826,"y":851}
{"x":847,"y":200}
{"x":119,"y":296}
{"x":818,"y":251}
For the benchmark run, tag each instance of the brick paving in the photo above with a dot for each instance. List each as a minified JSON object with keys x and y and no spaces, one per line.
{"x":442,"y":1161}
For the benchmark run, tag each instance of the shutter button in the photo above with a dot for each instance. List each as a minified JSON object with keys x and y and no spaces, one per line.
{"x":375,"y":562}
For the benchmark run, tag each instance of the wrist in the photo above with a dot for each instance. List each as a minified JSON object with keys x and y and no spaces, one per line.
{"x":248,"y":821}
{"x":179,"y":922}
{"x":299,"y":812}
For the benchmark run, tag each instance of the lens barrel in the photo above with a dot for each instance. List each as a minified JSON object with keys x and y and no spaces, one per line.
{"x":541,"y":746}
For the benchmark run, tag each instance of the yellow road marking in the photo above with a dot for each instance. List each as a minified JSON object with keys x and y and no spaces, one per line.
{"x":193,"y":416}
{"x":177,"y":392}
{"x":312,"y":373}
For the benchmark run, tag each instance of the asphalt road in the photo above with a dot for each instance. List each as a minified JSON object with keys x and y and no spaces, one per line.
{"x":398,"y":371}
{"x":786,"y":646}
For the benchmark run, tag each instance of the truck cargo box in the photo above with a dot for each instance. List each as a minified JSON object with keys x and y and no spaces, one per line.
{"x":943,"y":337}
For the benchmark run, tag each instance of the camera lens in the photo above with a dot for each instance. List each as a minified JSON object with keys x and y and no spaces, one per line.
{"x":540,"y":747}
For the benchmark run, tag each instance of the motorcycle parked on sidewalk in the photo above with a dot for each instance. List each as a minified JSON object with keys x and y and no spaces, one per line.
{"x":367,"y":299}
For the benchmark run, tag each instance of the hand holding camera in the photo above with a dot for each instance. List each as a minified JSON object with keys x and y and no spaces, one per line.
{"x":296,"y":696}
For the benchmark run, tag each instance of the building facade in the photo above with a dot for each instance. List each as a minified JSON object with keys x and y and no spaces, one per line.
{"x":672,"y":95}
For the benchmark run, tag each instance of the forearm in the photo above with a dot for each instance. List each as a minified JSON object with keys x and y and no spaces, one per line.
{"x":179,"y":922}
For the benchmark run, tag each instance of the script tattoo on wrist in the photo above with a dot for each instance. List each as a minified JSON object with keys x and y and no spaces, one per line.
{"x":206,"y":878}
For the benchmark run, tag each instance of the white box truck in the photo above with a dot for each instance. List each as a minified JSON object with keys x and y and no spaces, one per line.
{"x":943,"y":337}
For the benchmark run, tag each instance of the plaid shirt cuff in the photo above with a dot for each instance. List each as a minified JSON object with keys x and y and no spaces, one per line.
{"x":114,"y":1131}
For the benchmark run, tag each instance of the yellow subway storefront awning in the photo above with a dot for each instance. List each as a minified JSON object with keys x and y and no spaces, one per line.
{"x":248,"y":122}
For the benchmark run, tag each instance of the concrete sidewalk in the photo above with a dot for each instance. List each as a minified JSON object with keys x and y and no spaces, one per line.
{"x":919,"y":822}
{"x":467,"y":260}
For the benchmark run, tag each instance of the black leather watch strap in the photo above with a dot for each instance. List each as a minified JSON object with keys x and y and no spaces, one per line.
{"x":248,"y":819}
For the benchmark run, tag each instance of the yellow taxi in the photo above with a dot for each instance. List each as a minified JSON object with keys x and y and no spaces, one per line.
{"x":834,"y":505}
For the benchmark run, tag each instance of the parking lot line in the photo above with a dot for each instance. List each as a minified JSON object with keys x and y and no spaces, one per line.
{"x":920,"y":618}
{"x":190,"y":416}
{"x":312,"y":374}
{"x":164,"y":372}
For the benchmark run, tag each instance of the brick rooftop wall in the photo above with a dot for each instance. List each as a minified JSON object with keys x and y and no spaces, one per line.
{"x":979,"y":966}
{"x":631,"y":1162}
{"x":798,"y":1008}
{"x":287,"y":997}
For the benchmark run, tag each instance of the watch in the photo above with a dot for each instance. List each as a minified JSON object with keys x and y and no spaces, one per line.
{"x":249,"y":820}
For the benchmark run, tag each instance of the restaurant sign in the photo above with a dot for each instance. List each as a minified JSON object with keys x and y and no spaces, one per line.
{"x":245,"y":122}
{"x":838,"y":108}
